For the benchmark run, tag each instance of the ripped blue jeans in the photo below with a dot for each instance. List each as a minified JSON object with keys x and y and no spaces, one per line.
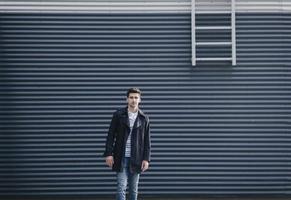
{"x":126,"y":177}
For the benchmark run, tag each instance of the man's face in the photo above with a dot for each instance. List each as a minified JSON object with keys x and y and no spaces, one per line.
{"x":133,"y":100}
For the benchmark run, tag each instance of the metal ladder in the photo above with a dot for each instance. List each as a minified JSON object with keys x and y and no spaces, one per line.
{"x":231,"y":43}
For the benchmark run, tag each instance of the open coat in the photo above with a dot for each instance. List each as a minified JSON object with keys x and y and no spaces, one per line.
{"x":118,"y":133}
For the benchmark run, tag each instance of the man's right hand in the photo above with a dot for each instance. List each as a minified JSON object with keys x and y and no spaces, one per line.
{"x":109,"y":161}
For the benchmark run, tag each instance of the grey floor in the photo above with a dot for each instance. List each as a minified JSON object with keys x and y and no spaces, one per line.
{"x":152,"y":198}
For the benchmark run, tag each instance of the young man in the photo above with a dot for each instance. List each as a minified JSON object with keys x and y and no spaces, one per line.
{"x":128,"y":145}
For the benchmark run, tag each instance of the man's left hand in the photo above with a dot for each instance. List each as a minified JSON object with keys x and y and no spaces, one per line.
{"x":144,"y":165}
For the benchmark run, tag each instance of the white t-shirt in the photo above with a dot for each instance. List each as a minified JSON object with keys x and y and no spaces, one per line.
{"x":132,"y":117}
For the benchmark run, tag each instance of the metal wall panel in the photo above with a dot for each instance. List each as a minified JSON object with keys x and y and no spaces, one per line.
{"x":216,"y":129}
{"x":142,"y":6}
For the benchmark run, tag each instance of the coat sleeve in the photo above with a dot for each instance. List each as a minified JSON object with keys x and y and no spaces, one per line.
{"x":147,"y":142}
{"x":111,"y":136}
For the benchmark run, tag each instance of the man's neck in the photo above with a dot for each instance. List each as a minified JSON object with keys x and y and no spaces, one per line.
{"x":133,"y":110}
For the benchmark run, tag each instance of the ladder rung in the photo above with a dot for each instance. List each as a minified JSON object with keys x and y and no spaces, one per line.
{"x":213,"y":43}
{"x":213,"y":12}
{"x":213,"y":59}
{"x":213,"y":27}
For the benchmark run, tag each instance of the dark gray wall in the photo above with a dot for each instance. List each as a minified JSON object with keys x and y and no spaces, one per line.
{"x":216,"y":129}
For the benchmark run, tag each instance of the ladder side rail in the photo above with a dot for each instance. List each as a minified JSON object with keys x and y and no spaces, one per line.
{"x":233,"y":32}
{"x":193,"y":32}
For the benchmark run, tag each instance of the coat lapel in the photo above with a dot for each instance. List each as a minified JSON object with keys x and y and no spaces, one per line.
{"x":137,"y":122}
{"x":124,"y":119}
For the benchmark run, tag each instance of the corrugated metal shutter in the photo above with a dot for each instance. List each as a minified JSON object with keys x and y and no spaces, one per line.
{"x":215,"y":129}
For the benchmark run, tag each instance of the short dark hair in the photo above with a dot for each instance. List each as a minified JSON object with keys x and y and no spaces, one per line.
{"x":133,"y":90}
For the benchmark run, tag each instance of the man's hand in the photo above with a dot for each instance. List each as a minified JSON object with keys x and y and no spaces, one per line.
{"x":144,"y":165}
{"x":109,"y":161}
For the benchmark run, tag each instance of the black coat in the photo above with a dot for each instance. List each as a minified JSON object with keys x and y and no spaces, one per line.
{"x":118,"y":133}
